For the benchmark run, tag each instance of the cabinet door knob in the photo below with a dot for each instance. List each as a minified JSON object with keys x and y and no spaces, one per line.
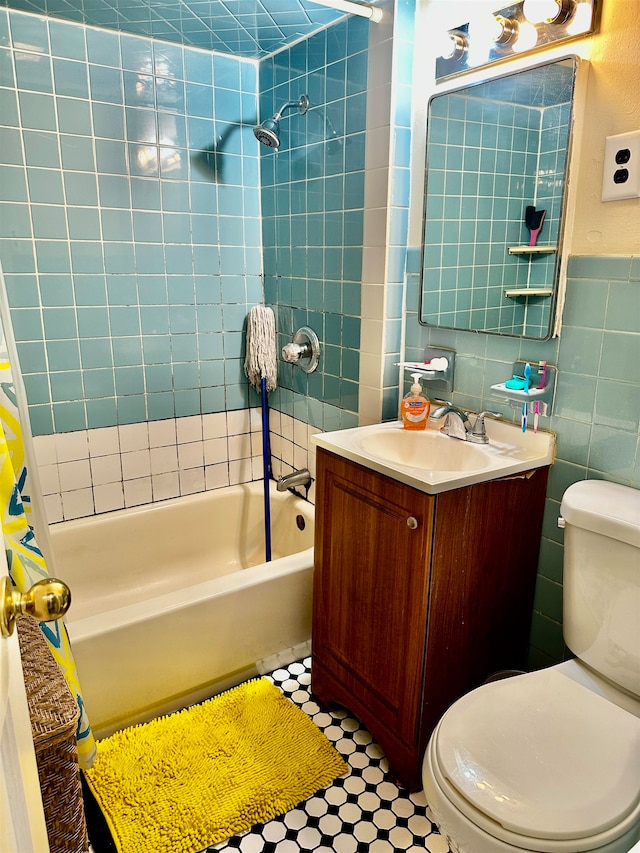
{"x":412,"y":523}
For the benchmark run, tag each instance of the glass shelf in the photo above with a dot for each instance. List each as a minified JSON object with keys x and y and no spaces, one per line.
{"x":532,"y":250}
{"x":526,"y":292}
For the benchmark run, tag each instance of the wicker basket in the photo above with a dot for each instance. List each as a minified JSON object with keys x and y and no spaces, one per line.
{"x":54,"y":716}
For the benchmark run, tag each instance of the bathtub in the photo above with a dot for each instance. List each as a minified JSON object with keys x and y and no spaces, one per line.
{"x":173,"y":602}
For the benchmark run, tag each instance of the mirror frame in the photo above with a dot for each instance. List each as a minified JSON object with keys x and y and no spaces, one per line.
{"x":558,"y":265}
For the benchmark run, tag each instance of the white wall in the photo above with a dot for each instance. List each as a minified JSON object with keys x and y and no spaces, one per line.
{"x":612,"y":106}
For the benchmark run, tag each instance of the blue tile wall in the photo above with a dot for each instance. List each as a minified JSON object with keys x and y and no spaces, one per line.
{"x":596,"y":413}
{"x":312,"y":212}
{"x":480,"y":182}
{"x":129,"y":222}
{"x":252,"y":31}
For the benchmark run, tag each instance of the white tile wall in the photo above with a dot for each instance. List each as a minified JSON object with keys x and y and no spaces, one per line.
{"x":100,"y":470}
{"x":375,"y":235}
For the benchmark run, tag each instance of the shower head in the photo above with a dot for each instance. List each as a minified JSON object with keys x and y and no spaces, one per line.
{"x":267,"y":132}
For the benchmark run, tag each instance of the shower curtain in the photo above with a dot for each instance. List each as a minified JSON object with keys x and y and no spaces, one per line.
{"x":26,"y":562}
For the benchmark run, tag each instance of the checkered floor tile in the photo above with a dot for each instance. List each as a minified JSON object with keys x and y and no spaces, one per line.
{"x":362,"y":812}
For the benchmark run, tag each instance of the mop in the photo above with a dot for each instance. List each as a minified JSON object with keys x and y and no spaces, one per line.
{"x":260,"y":367}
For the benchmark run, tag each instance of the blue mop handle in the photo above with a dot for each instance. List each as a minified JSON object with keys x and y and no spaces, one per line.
{"x":265,"y":469}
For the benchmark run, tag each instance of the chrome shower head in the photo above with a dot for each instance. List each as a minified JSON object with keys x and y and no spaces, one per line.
{"x":267,"y":132}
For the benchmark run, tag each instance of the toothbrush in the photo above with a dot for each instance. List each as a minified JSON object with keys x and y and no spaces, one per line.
{"x":525,"y":406}
{"x":543,"y":376}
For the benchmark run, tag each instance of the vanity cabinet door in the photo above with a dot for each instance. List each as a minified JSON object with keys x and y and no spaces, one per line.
{"x":371,"y":582}
{"x":418,"y":599}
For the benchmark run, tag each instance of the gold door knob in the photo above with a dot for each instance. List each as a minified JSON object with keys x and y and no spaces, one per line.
{"x":46,"y":601}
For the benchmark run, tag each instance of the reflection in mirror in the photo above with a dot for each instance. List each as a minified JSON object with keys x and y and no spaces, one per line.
{"x":497,"y":158}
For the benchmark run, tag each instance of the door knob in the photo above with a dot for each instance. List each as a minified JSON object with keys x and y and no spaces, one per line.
{"x":47,"y":600}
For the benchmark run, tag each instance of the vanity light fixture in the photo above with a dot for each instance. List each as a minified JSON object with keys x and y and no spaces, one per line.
{"x":522,"y":27}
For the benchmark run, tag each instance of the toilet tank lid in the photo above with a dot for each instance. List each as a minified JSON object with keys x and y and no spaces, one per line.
{"x":609,"y":509}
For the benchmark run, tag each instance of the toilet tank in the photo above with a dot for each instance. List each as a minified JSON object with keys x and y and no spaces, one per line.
{"x":602,"y":579}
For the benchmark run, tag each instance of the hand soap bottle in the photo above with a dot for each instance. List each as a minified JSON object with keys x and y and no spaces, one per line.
{"x":415,"y":406}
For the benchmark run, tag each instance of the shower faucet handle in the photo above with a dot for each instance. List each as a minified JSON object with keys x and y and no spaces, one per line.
{"x":304,"y":351}
{"x":293,"y":352}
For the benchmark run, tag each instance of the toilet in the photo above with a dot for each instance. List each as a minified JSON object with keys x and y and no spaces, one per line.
{"x":549,"y":761}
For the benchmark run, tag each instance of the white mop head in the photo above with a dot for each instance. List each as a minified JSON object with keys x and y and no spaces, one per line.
{"x":260,"y":361}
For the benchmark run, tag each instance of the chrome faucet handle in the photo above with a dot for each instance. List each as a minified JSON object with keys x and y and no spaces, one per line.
{"x":446,"y":408}
{"x":440,"y":409}
{"x":479,"y":433}
{"x":293,"y":352}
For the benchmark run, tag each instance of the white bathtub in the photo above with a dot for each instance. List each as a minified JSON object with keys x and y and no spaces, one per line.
{"x":173,"y":602}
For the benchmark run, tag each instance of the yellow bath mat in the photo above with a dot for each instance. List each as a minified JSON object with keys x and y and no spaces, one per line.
{"x":194,"y":778}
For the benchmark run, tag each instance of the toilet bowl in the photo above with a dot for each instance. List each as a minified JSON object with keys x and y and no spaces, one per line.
{"x":515,"y":765}
{"x":549,"y":761}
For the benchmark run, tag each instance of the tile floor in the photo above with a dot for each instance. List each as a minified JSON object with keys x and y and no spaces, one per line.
{"x":362,"y":812}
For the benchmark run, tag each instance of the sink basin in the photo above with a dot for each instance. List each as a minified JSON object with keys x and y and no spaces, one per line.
{"x":434,"y":462}
{"x":427,"y":449}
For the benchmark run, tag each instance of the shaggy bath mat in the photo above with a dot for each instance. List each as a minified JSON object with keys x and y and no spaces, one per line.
{"x":194,"y":778}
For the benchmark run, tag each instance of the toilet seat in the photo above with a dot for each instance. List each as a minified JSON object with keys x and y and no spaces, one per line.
{"x":523,"y":758}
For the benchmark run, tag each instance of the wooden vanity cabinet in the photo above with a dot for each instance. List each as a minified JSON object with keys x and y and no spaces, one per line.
{"x":417,"y":599}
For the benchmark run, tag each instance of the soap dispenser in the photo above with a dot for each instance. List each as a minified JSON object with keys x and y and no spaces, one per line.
{"x":415,"y":406}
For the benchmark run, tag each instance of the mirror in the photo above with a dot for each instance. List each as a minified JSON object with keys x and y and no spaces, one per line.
{"x":497,"y":155}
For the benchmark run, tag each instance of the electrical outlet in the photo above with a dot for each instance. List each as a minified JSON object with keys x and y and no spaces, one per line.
{"x":621,"y":174}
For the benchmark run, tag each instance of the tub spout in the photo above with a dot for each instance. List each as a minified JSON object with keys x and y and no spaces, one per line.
{"x":295,"y":478}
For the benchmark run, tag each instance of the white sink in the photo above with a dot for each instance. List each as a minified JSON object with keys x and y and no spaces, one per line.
{"x":434,"y":462}
{"x":425,"y":449}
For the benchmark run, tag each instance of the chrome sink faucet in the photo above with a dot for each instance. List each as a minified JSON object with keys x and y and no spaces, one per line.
{"x":459,"y":426}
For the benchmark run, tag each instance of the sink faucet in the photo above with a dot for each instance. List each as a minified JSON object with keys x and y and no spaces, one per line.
{"x":461,"y":427}
{"x":302,"y":477}
{"x":457,"y":423}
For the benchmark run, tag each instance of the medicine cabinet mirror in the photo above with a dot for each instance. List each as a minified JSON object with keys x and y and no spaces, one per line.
{"x":497,"y":158}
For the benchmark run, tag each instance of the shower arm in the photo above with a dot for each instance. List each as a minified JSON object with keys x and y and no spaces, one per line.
{"x":302,"y":104}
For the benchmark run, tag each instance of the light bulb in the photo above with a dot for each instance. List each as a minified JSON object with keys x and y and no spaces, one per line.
{"x":547,"y":11}
{"x":478,"y":53}
{"x":482,"y":31}
{"x":446,"y":46}
{"x":527,"y":38}
{"x":484,"y":27}
{"x":452,"y":46}
{"x":537,"y":11}
{"x":581,"y":22}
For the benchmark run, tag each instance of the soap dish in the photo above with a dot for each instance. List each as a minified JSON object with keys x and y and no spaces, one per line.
{"x":516,"y":394}
{"x":543,"y":396}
